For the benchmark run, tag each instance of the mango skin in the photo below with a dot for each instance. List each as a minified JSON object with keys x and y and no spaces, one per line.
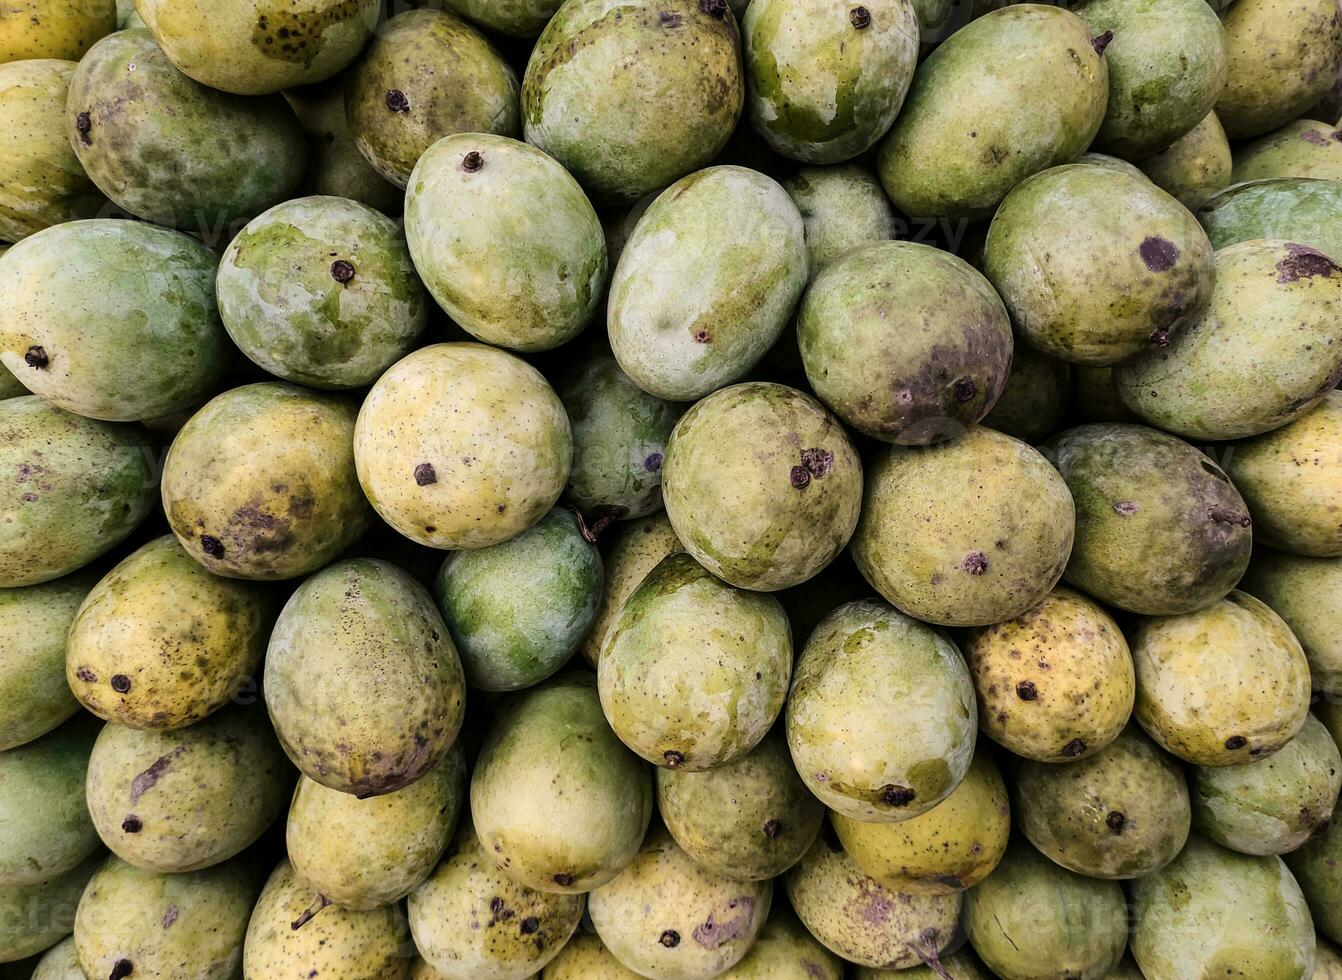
{"x":948,"y":849}
{"x":256,"y":47}
{"x":362,"y":681}
{"x":693,"y":672}
{"x":1251,"y":706}
{"x":450,"y":402}
{"x":336,"y":168}
{"x":62,"y":29}
{"x":962,"y":966}
{"x":821,"y":86}
{"x":41,"y":181}
{"x":34,"y":621}
{"x":1327,"y":962}
{"x":880,"y":718}
{"x":1195,"y":166}
{"x":1314,"y":866}
{"x":260,"y":483}
{"x":451,"y":80}
{"x":736,"y":236}
{"x":284,"y":305}
{"x":1281,"y":57}
{"x":624,"y":128}
{"x":629,"y":552}
{"x":1297,"y":209}
{"x":966,"y":136}
{"x":471,"y":921}
{"x":1307,"y":594}
{"x":842,"y":208}
{"x":506,"y":271}
{"x":906,"y":343}
{"x":516,"y":18}
{"x":1121,"y":813}
{"x":59,"y":963}
{"x":1304,"y":148}
{"x":364,"y":854}
{"x":589,"y":799}
{"x":965,"y":533}
{"x":1036,"y":398}
{"x":785,"y":949}
{"x":1213,"y":911}
{"x":101,"y":296}
{"x":668,"y":918}
{"x":33,"y":917}
{"x":1160,"y":529}
{"x":171,"y":151}
{"x":78,"y":488}
{"x":584,"y":957}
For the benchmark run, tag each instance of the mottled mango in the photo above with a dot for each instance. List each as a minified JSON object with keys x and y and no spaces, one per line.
{"x":34,"y":621}
{"x":842,"y":208}
{"x":1193,"y":167}
{"x":1314,"y":866}
{"x":517,"y":18}
{"x":784,"y":949}
{"x":1303,"y":148}
{"x":1307,"y":594}
{"x":629,"y":552}
{"x":1036,"y":398}
{"x":53,"y":28}
{"x":1295,"y":209}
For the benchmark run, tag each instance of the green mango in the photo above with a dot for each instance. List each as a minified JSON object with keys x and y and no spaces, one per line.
{"x":1195,"y":166}
{"x":1307,"y":594}
{"x":10,"y":386}
{"x":54,"y":28}
{"x":629,"y":553}
{"x":842,"y":208}
{"x":1298,"y":209}
{"x":584,"y":957}
{"x":511,"y":17}
{"x":1303,"y":148}
{"x":59,"y":963}
{"x":34,"y":621}
{"x":783,"y":950}
{"x":1036,"y":398}
{"x":1314,"y":866}
{"x":36,"y":916}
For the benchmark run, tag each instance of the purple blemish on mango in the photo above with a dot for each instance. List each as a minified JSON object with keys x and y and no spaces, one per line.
{"x":860,"y":17}
{"x":975,"y":563}
{"x":1312,"y":136}
{"x":1100,"y":42}
{"x":1303,"y":262}
{"x":799,"y":477}
{"x":397,"y":101}
{"x":1158,"y":253}
{"x":818,"y":462}
{"x":84,"y":126}
{"x":472,"y":162}
{"x":425,"y":474}
{"x":170,"y":916}
{"x":653,"y":463}
{"x":1160,"y":337}
{"x":1219,"y":515}
{"x":1125,"y":508}
{"x":145,"y":781}
{"x":212,"y":546}
{"x":712,"y":933}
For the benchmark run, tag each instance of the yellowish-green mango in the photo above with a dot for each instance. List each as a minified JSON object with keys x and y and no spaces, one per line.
{"x":1036,"y":398}
{"x":1297,"y":209}
{"x":34,"y":621}
{"x":585,"y":957}
{"x":59,"y":963}
{"x":959,"y":966}
{"x":842,"y":208}
{"x":62,"y":29}
{"x":1304,"y":148}
{"x":1314,"y":866}
{"x":629,"y":552}
{"x":1307,"y":594}
{"x":337,"y":168}
{"x":1195,"y":166}
{"x":785,"y":950}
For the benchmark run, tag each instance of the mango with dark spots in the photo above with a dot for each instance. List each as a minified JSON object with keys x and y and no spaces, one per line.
{"x":516,"y":18}
{"x":1121,"y":813}
{"x":1160,"y":529}
{"x":172,"y":151}
{"x":559,"y":804}
{"x":1297,"y":209}
{"x":1253,"y":704}
{"x":629,"y":552}
{"x":314,"y":320}
{"x":261,"y":484}
{"x":363,"y":854}
{"x":1307,"y":594}
{"x":693,"y":672}
{"x":1304,"y":148}
{"x":842,"y":208}
{"x":112,"y":319}
{"x":362,"y":681}
{"x":1314,"y":866}
{"x":1097,"y":266}
{"x":948,"y":849}
{"x":584,"y":957}
{"x":469,"y":919}
{"x":784,"y":948}
{"x":1033,"y":920}
{"x":293,"y":932}
{"x":1036,"y":398}
{"x":1213,"y":911}
{"x":427,"y":75}
{"x":54,"y":28}
{"x":665,"y":916}
{"x":631,"y":98}
{"x":965,"y":137}
{"x":254,"y":47}
{"x":73,"y":489}
{"x":880,"y":719}
{"x":965,"y":533}
{"x":1193,"y":167}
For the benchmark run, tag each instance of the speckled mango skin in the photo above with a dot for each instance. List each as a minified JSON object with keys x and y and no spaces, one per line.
{"x":1282,"y":55}
{"x":862,"y":921}
{"x":124,"y":313}
{"x":1307,"y":594}
{"x":585,"y":957}
{"x":749,"y":819}
{"x":347,"y":944}
{"x":842,"y":208}
{"x":507,"y":270}
{"x":1265,"y":351}
{"x":284,"y":305}
{"x":172,"y":151}
{"x":516,"y":18}
{"x":1167,"y":65}
{"x":1160,"y":529}
{"x":1249,"y":707}
{"x":472,"y":922}
{"x":336,"y":168}
{"x":1036,"y":398}
{"x":1216,"y":913}
{"x":62,"y":29}
{"x":960,"y":966}
{"x":122,"y":913}
{"x":761,"y":485}
{"x":948,"y":849}
{"x":668,"y":918}
{"x":518,"y":610}
{"x":1303,"y":148}
{"x":629,"y":552}
{"x":1297,"y":209}
{"x":630,"y":95}
{"x":255,"y":47}
{"x":185,"y":639}
{"x":1193,"y":167}
{"x":736,"y":237}
{"x":33,"y":917}
{"x":1097,"y":266}
{"x":362,"y":681}
{"x":260,"y":483}
{"x":43,"y":817}
{"x":490,"y":429}
{"x":880,"y":718}
{"x":785,"y":950}
{"x":1032,"y":920}
{"x":907,"y":343}
{"x":451,"y":80}
{"x":59,"y":963}
{"x":34,"y":621}
{"x":693,"y":672}
{"x":190,"y":798}
{"x":363,"y":854}
{"x":966,"y":533}
{"x":1121,"y":813}
{"x":559,"y":804}
{"x":74,"y":488}
{"x":41,"y":181}
{"x":822,"y":86}
{"x":1006,"y":96}
{"x":1314,"y":866}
